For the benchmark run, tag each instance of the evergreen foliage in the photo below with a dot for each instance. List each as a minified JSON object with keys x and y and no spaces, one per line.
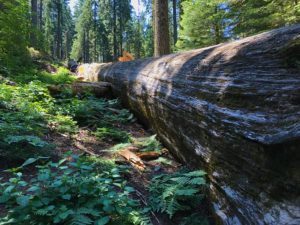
{"x":14,"y":34}
{"x":208,"y":22}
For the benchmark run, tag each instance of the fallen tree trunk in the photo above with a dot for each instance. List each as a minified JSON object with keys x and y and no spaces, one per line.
{"x":233,"y":109}
{"x":98,"y":89}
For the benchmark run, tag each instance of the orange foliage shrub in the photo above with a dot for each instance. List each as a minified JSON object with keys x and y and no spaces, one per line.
{"x":126,"y":57}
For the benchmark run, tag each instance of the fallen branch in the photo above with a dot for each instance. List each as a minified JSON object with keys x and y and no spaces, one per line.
{"x":133,"y":159}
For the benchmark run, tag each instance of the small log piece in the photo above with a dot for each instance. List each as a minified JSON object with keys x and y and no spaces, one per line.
{"x":99,"y":89}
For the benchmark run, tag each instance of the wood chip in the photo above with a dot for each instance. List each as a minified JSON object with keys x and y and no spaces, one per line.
{"x":133,"y":159}
{"x":148,"y":155}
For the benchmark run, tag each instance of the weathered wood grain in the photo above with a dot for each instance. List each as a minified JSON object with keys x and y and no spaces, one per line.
{"x":233,"y":109}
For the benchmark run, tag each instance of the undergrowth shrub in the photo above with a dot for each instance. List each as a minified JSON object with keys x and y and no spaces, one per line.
{"x":115,"y":134}
{"x":28,"y":74}
{"x":22,"y":122}
{"x":78,"y":192}
{"x":98,"y":112}
{"x":149,"y":144}
{"x":29,"y":111}
{"x":25,"y":115}
{"x":180,"y":191}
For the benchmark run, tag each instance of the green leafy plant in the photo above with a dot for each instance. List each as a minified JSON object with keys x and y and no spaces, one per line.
{"x":64,"y":124}
{"x":23,"y":114}
{"x":180,"y":191}
{"x":77,"y":192}
{"x":113,"y":133}
{"x":163,"y":161}
{"x":149,"y":144}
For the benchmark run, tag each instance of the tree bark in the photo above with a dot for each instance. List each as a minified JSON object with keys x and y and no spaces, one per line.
{"x":161,"y":31}
{"x":232,"y":109}
{"x":58,"y":41}
{"x":115,"y":31}
{"x":33,"y":20}
{"x":34,"y":13}
{"x":67,"y":44}
{"x":87,"y":46}
{"x":174,"y":22}
{"x":83,"y":46}
{"x":121,"y":37}
{"x":153,"y":24}
{"x":180,"y":13}
{"x":95,"y":31}
{"x":41,"y":15}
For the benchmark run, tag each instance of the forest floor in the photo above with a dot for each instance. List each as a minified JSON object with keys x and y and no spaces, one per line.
{"x":86,"y":143}
{"x":105,"y":144}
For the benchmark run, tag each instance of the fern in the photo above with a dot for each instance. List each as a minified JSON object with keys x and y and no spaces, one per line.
{"x":80,"y":219}
{"x":163,"y":161}
{"x":176,"y":192}
{"x":149,"y":144}
{"x":197,"y":180}
{"x":89,"y":211}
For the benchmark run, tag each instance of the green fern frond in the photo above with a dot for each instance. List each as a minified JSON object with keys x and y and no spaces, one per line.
{"x":197,"y":180}
{"x":88,"y":211}
{"x":186,"y":192}
{"x":181,"y":180}
{"x":176,"y":192}
{"x":196,"y":173}
{"x":80,"y":219}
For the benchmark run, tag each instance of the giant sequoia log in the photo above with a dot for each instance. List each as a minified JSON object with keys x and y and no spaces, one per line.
{"x":233,"y":109}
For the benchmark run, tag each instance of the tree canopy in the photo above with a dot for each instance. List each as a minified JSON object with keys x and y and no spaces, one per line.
{"x":100,"y":30}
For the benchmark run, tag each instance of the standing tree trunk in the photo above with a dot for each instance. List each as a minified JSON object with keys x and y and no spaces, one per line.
{"x":180,"y":13}
{"x":41,"y":15}
{"x":174,"y":22}
{"x":34,"y":13}
{"x":88,"y":45}
{"x":33,"y":19}
{"x":54,"y":48}
{"x":95,"y":31}
{"x":153,"y":23}
{"x":161,"y":32}
{"x":58,"y":41}
{"x":115,"y":30}
{"x":67,"y":44}
{"x":121,"y":36}
{"x":83,"y":48}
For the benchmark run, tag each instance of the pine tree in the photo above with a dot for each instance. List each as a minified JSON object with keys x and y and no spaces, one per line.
{"x":203,"y":23}
{"x":15,"y":30}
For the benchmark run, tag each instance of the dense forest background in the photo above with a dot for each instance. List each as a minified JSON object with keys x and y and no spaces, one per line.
{"x":99,"y":30}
